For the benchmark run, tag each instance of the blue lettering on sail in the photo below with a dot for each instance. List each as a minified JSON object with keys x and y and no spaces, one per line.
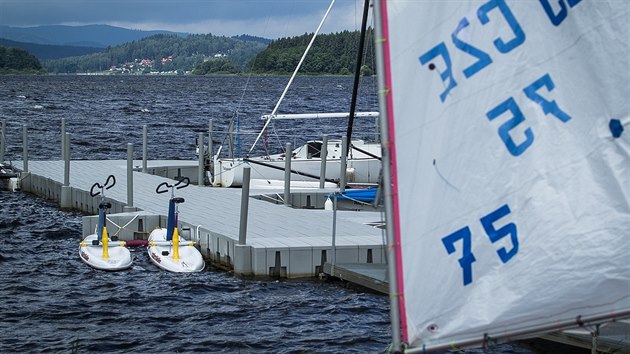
{"x":557,"y":18}
{"x":483,"y":58}
{"x":494,"y":235}
{"x":504,"y":130}
{"x":467,"y":257}
{"x":519,"y":35}
{"x":531,"y":92}
{"x":548,"y":107}
{"x":447,"y":74}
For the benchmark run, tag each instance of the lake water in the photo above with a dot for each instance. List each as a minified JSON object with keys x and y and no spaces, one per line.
{"x":52,"y":302}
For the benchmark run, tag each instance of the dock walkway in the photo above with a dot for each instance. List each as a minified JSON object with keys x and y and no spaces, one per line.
{"x":280,"y":240}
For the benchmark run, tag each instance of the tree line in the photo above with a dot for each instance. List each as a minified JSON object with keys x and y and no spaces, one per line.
{"x":18,"y":61}
{"x":334,"y":54}
{"x":183,"y":53}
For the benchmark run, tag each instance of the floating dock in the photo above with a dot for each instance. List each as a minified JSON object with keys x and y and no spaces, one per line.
{"x":280,"y":240}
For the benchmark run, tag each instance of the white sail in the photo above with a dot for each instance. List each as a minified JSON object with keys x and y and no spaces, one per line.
{"x":510,"y":146}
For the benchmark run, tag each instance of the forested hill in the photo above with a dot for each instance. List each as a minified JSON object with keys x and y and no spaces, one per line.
{"x":18,"y":61}
{"x":334,"y":54}
{"x":161,"y":53}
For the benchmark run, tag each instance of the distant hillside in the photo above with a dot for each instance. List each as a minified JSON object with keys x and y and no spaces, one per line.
{"x":45,"y":51}
{"x":100,"y":36}
{"x":247,"y":37}
{"x":160,"y":53}
{"x":18,"y":61}
{"x":331,"y":54}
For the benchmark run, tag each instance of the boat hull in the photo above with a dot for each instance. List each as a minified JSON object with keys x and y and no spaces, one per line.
{"x":161,"y":254}
{"x":119,"y":256}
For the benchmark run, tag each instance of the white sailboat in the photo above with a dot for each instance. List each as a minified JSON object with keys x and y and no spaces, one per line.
{"x":363,"y":158}
{"x":506,"y":157}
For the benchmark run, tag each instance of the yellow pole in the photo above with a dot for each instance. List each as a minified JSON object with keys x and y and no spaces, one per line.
{"x":104,"y":242}
{"x":175,"y":245}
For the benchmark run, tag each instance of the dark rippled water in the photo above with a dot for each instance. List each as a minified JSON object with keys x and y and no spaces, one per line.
{"x":52,"y":302}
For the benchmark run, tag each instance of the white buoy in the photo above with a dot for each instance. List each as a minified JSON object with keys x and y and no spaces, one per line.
{"x":328,"y":205}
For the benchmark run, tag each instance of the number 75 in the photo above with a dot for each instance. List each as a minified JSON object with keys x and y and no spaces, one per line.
{"x":494,"y":234}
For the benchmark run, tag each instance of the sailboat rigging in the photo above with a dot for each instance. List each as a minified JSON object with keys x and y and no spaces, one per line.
{"x":506,"y":158}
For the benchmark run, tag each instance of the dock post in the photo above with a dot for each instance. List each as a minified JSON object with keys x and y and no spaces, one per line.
{"x":200,"y":173}
{"x":323,"y":154}
{"x":242,"y":230}
{"x":334,"y":235}
{"x":63,"y":139}
{"x":129,"y":176}
{"x":210,"y":142}
{"x":344,"y":164}
{"x":65,"y":199}
{"x":288,"y":153}
{"x":3,"y":138}
{"x":243,"y":252}
{"x":66,"y":159}
{"x":144,"y":148}
{"x":25,"y":147}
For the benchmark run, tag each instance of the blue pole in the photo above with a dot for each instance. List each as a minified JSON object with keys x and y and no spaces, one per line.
{"x":170,"y":223}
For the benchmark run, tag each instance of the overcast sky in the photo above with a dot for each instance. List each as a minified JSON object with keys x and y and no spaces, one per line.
{"x":264,"y":18}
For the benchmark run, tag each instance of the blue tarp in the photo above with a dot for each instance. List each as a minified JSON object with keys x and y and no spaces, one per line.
{"x":363,"y":195}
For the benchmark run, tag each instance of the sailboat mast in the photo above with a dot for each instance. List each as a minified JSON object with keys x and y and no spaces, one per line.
{"x":357,"y":75}
{"x":386,"y":152}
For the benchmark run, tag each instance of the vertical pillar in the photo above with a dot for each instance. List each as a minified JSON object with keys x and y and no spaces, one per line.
{"x":65,"y":199}
{"x":201,"y":172}
{"x":25,"y":147}
{"x":66,"y":159}
{"x":344,"y":164}
{"x":3,"y":138}
{"x":210,"y":142}
{"x":144,"y":148}
{"x":129,"y":175}
{"x":242,"y":231}
{"x":334,"y":235}
{"x":63,"y":139}
{"x":287,"y":173}
{"x":324,"y":156}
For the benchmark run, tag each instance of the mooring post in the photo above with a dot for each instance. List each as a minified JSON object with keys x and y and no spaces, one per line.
{"x":323,"y":153}
{"x":63,"y":139}
{"x":65,"y":199}
{"x":210,"y":142}
{"x":344,"y":164}
{"x":334,"y":235}
{"x":66,"y":159}
{"x":242,"y":252}
{"x":242,"y":231}
{"x":25,"y":147}
{"x":288,"y":153}
{"x":201,"y":171}
{"x":3,"y":138}
{"x":144,"y":148}
{"x":129,"y":175}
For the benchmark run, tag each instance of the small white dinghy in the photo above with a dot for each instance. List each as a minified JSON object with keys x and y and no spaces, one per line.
{"x":98,"y":250}
{"x":166,"y":248}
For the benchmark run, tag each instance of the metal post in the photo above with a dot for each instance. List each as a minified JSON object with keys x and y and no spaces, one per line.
{"x":344,"y":164}
{"x":323,"y":153}
{"x":25,"y":147}
{"x":210,"y":142}
{"x":129,"y":175}
{"x":334,"y":235}
{"x":242,"y":231}
{"x":66,"y":159}
{"x":3,"y":138}
{"x":144,"y":148}
{"x":288,"y":153}
{"x":63,"y":139}
{"x":200,"y":179}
